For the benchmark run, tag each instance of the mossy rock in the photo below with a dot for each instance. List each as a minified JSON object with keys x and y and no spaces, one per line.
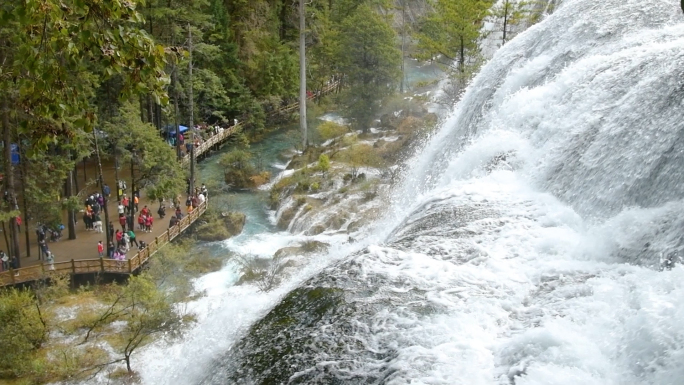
{"x":336,"y":221}
{"x":250,"y":275}
{"x":234,"y":221}
{"x":309,"y":247}
{"x":286,"y":217}
{"x":310,"y":156}
{"x":245,"y":179}
{"x":273,"y":350}
{"x":218,"y":227}
{"x":238,"y":179}
{"x":390,"y":121}
{"x":315,"y":230}
{"x":356,"y":225}
{"x":212,"y":232}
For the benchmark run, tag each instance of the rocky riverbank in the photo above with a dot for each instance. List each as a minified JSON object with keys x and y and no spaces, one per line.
{"x":339,"y":186}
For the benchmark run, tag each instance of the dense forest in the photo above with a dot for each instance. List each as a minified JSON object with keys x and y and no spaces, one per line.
{"x":125,"y":73}
{"x":111,"y":81}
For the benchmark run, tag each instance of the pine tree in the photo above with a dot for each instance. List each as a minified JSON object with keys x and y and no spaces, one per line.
{"x":370,"y":61}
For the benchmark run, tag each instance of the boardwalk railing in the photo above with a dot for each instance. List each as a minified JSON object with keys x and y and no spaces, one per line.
{"x":209,"y":143}
{"x":102,"y":265}
{"x":295,"y":106}
{"x":133,"y":265}
{"x":223,"y":135}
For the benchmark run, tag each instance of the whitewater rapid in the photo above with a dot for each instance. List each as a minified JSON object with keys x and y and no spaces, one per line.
{"x":526,"y":245}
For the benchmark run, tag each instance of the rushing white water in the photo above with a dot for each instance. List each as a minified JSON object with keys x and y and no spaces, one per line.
{"x":227,"y":310}
{"x":528,"y":240}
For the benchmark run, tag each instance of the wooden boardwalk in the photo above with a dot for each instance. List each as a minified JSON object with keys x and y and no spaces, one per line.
{"x":294,"y":107}
{"x":222,"y":136}
{"x":208,"y":144}
{"x":102,"y":265}
{"x":75,"y":266}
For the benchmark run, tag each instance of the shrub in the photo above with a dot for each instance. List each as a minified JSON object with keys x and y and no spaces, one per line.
{"x":329,"y":130}
{"x":358,"y":156}
{"x":348,"y":140}
{"x":236,"y":159}
{"x":323,"y":163}
{"x":261,"y":178}
{"x":22,"y":331}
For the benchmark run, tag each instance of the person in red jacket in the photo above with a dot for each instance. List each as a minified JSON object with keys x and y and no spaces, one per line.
{"x":125,"y":202}
{"x":148,"y":223}
{"x":119,"y":238}
{"x":122,"y":222}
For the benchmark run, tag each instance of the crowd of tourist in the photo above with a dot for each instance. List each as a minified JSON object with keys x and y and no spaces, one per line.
{"x":199,"y":135}
{"x":127,"y":208}
{"x":123,"y":239}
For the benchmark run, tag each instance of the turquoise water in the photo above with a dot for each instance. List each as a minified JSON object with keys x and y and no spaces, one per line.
{"x":271,"y":155}
{"x":227,"y":311}
{"x":417,"y":72}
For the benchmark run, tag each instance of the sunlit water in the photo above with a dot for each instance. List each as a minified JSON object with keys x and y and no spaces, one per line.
{"x":526,"y":245}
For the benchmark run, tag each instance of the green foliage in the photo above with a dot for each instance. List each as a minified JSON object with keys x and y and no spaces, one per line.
{"x":329,"y":130}
{"x":139,"y":144}
{"x":72,"y":203}
{"x":22,"y":331}
{"x":211,"y":98}
{"x":48,"y":61}
{"x":368,"y":57}
{"x":512,"y":16}
{"x":360,"y":155}
{"x":174,"y":266}
{"x":146,"y":311}
{"x":349,"y":140}
{"x":323,"y":162}
{"x":453,"y":31}
{"x":236,"y":159}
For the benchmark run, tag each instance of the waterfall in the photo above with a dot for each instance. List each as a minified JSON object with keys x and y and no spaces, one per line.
{"x":530,"y":244}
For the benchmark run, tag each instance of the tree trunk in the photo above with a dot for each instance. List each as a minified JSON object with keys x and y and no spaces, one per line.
{"x":9,"y":181}
{"x":191,"y":123}
{"x":461,"y":57}
{"x":116,"y":174}
{"x":158,"y":116}
{"x":4,"y":232}
{"x":150,"y":113}
{"x":176,"y":125}
{"x":302,"y":75}
{"x":71,"y":214}
{"x":100,"y":177}
{"x":131,"y":202}
{"x":22,"y":175}
{"x":505,"y":22}
{"x":403,"y":44}
{"x":174,"y":86}
{"x":75,"y":174}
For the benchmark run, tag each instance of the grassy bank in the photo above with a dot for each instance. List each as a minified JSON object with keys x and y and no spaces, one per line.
{"x":53,"y":333}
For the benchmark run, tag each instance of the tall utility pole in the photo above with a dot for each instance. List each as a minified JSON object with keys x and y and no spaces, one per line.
{"x":403,"y":43}
{"x":9,"y":182}
{"x":174,"y":86}
{"x":105,"y":225}
{"x":191,"y":126}
{"x":302,"y":75}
